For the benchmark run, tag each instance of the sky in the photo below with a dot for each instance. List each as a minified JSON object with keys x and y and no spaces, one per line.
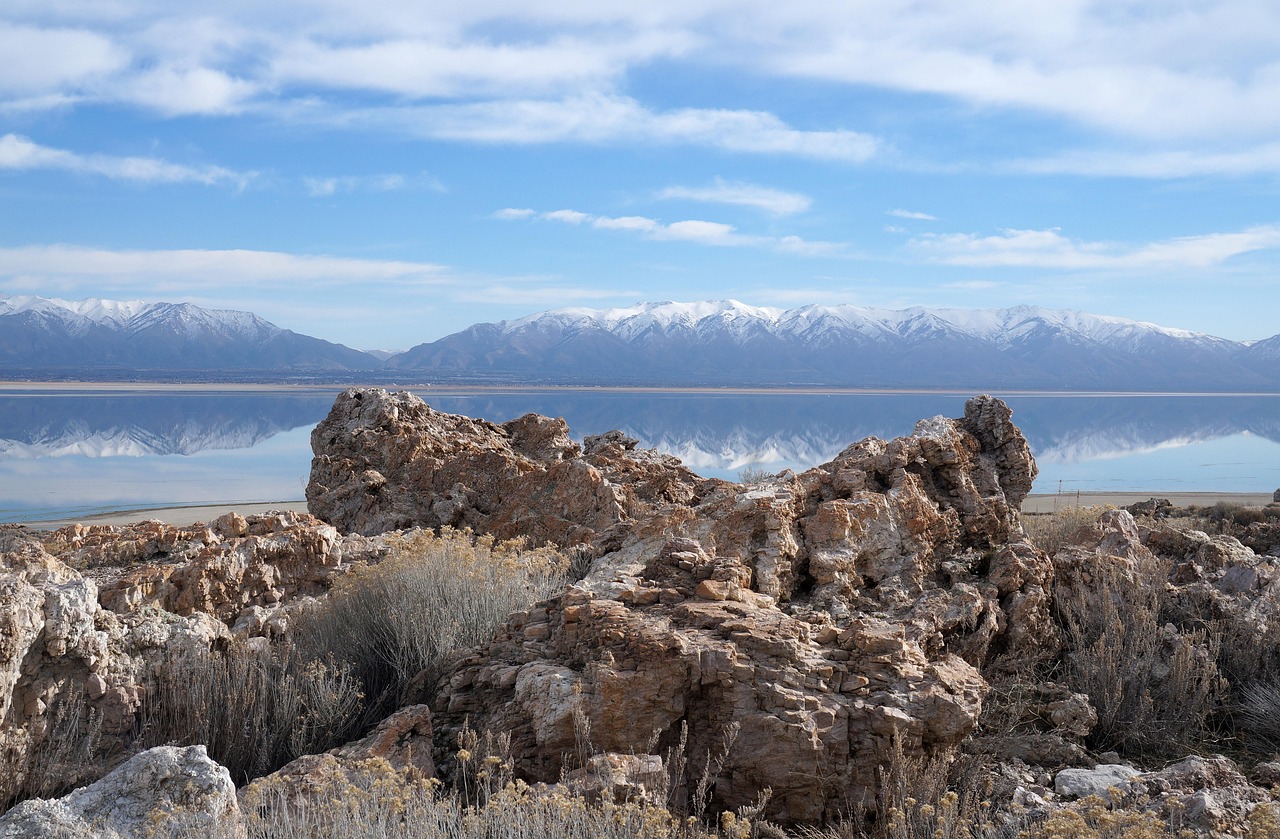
{"x":385,"y":173}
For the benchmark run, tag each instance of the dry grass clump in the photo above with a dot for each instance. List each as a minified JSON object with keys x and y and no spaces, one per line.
{"x":55,"y":762}
{"x":350,"y":659}
{"x":255,"y":710}
{"x":431,"y":596}
{"x":1095,"y":818}
{"x":1051,"y":532}
{"x":380,"y":804}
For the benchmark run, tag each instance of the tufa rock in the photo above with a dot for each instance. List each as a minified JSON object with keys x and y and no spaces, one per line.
{"x":816,"y":617}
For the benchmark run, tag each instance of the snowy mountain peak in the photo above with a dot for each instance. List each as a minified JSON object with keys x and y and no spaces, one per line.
{"x":93,"y":309}
{"x":50,"y":333}
{"x":998,"y":325}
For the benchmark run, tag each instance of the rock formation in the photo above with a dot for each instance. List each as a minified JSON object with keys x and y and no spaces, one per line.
{"x":817,"y":616}
{"x":794,"y":634}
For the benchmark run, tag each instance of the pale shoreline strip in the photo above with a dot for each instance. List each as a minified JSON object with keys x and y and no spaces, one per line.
{"x":1034,"y":504}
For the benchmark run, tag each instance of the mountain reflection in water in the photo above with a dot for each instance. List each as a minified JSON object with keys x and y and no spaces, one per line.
{"x":73,"y":452}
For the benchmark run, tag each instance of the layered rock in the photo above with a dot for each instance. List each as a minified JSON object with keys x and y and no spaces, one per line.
{"x":817,"y":617}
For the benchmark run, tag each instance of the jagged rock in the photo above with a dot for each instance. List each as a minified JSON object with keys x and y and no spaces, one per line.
{"x":820,"y":616}
{"x":165,"y":791}
{"x":386,"y":461}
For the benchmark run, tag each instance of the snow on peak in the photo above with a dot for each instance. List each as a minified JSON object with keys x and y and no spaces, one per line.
{"x":92,"y":308}
{"x":136,"y":315}
{"x":814,"y":322}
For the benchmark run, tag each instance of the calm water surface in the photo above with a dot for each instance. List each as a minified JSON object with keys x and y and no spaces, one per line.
{"x":69,"y":453}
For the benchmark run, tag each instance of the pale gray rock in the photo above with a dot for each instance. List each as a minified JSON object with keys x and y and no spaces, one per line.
{"x":1099,"y":781}
{"x":163,"y":792}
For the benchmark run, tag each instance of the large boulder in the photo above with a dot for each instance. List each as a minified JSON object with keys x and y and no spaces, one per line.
{"x":163,"y":792}
{"x":809,"y":621}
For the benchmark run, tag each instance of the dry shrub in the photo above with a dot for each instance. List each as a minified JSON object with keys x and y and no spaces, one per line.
{"x":52,"y":764}
{"x":1258,"y":715}
{"x":1094,"y":818}
{"x":254,"y":710}
{"x":382,"y":805}
{"x":1051,"y":532}
{"x":430,"y":597}
{"x":1154,"y":686}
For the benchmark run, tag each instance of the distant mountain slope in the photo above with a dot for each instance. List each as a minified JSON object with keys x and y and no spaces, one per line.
{"x":41,"y":333}
{"x":730,"y":343}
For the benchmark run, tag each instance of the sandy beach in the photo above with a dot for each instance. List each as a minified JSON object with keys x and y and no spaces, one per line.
{"x":1034,"y":504}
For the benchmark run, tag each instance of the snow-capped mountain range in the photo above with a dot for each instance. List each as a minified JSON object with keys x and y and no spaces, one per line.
{"x":45,"y":333}
{"x":731,"y":343}
{"x":714,"y":343}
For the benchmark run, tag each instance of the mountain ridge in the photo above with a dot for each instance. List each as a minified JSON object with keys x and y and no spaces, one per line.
{"x":48,"y":334}
{"x":727,"y":343}
{"x":722,"y":343}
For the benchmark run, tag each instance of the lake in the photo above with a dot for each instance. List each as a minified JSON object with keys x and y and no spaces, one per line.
{"x":67,"y":452}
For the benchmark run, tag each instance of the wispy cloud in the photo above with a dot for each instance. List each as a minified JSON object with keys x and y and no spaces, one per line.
{"x":775,"y":201}
{"x":911,"y":214}
{"x":1158,"y":71}
{"x":41,"y":267}
{"x":513,"y":213}
{"x":19,"y":153}
{"x":697,"y":231}
{"x":1155,"y":163}
{"x":611,"y":119}
{"x":1050,"y":249}
{"x":323,"y":187}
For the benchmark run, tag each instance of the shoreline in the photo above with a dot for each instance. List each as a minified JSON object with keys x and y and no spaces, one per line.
{"x":1035,"y":504}
{"x":12,"y":385}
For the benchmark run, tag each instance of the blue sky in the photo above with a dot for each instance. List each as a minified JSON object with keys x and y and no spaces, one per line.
{"x":384,"y":173}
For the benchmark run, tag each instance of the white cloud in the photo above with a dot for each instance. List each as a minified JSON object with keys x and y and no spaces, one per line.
{"x":512,"y":213}
{"x":1149,"y":69}
{"x":911,"y":214}
{"x":568,"y":216}
{"x":774,"y":201}
{"x":1050,"y":249}
{"x":178,"y":92}
{"x":19,"y":153}
{"x":37,"y":267}
{"x":445,"y":65}
{"x":38,"y":61}
{"x":604,"y":118}
{"x":1154,"y":71}
{"x":696,"y":231}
